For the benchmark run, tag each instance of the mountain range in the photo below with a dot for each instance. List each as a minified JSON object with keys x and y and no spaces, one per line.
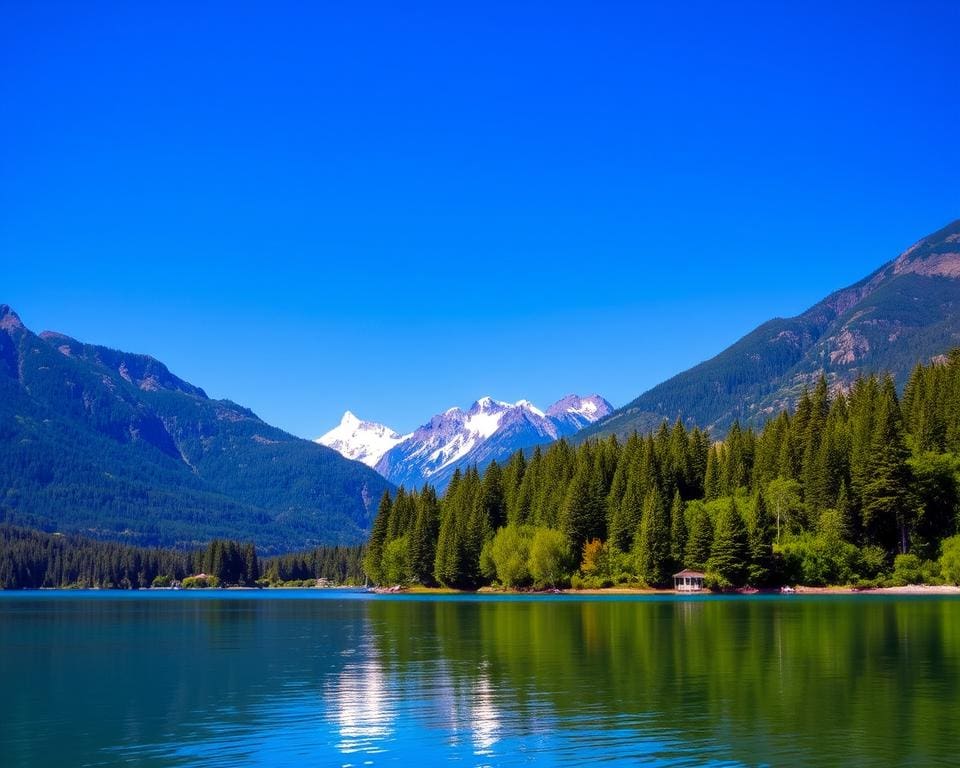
{"x":113,"y":445}
{"x":907,"y":311}
{"x":455,"y":439}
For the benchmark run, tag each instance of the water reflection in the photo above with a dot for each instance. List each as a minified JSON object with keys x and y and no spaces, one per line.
{"x":332,"y":681}
{"x":361,"y":708}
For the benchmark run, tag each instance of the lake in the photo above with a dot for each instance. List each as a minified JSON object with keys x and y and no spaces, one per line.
{"x":338,"y":678}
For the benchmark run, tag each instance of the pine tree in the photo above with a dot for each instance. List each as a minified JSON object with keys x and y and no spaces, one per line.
{"x":887,"y":511}
{"x":627,"y":519}
{"x":712,"y":480}
{"x":652,"y":548}
{"x":734,"y":470}
{"x":491,"y":500}
{"x":700,"y":538}
{"x":678,"y":531}
{"x":729,"y":555}
{"x":251,"y":568}
{"x":863,"y":398}
{"x":423,"y":538}
{"x":760,"y":543}
{"x":378,"y":538}
{"x":513,"y":474}
{"x":582,"y":513}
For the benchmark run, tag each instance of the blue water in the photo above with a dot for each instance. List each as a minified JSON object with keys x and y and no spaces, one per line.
{"x":350,"y":679}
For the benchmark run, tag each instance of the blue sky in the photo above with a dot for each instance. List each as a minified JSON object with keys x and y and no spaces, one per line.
{"x":398,"y":207}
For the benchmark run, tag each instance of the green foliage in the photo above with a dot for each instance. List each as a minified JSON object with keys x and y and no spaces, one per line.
{"x":887,"y":506}
{"x":937,"y":496}
{"x":423,"y":536}
{"x":231,"y":563}
{"x":396,"y":562}
{"x":509,"y":555}
{"x":582,"y":515}
{"x":700,"y":539}
{"x":678,"y":530}
{"x":815,"y":560}
{"x":825,"y":495}
{"x":783,"y":497}
{"x":873,"y":561}
{"x":337,"y":564}
{"x":907,"y":569}
{"x":759,"y":543}
{"x":652,"y":547}
{"x":950,"y":560}
{"x":730,"y":553}
{"x":33,"y":559}
{"x":201,"y":581}
{"x":549,"y":558}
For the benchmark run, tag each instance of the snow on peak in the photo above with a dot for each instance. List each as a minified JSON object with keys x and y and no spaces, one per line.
{"x":359,"y":440}
{"x":489,"y":430}
{"x":487,"y":403}
{"x":528,"y":406}
{"x":590,"y":409}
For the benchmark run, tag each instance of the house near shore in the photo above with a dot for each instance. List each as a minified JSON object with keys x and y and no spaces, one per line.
{"x":688,"y":581}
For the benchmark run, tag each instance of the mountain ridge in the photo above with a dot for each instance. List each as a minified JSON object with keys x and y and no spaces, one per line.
{"x":488,"y":430}
{"x":907,"y":309}
{"x":113,"y":445}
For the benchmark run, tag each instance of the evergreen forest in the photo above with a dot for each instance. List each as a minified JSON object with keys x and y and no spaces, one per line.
{"x":856,"y":486}
{"x":33,"y":559}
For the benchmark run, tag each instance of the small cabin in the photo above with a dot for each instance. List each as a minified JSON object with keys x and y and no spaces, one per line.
{"x":688,"y":581}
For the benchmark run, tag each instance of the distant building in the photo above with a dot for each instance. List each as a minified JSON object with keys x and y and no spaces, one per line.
{"x":688,"y":581}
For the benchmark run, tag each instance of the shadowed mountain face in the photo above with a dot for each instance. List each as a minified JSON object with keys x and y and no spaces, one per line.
{"x":908,"y":310}
{"x":113,"y":445}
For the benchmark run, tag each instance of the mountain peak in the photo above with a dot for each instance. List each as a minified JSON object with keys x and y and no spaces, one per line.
{"x":487,"y":403}
{"x":364,"y":441}
{"x":592,"y":407}
{"x":526,"y":405}
{"x":937,"y":255}
{"x":489,"y":430}
{"x":9,"y":320}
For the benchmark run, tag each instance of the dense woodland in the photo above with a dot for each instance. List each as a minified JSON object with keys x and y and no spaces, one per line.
{"x":33,"y":559}
{"x":853,"y":487}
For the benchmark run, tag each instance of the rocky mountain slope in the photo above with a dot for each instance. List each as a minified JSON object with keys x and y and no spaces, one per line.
{"x":908,"y":310}
{"x":113,"y":445}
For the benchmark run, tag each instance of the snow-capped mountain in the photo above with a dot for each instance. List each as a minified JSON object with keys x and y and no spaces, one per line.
{"x":364,"y":441}
{"x":489,"y":430}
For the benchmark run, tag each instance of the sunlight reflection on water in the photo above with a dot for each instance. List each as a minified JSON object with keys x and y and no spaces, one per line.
{"x":479,"y":683}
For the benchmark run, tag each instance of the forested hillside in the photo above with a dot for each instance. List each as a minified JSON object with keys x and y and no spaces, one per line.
{"x":112,"y":445}
{"x":35,"y":560}
{"x":908,"y":310}
{"x":852,"y":487}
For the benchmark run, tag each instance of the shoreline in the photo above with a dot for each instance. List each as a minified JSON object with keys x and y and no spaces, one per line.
{"x":910,"y":589}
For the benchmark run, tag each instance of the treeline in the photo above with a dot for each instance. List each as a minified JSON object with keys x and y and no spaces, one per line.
{"x":32,"y":559}
{"x":853,"y":487}
{"x":337,"y":564}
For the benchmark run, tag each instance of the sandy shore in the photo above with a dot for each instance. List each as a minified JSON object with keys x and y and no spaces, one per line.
{"x":912,"y":589}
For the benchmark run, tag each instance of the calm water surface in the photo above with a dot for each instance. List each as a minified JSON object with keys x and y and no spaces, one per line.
{"x":330,"y":678}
